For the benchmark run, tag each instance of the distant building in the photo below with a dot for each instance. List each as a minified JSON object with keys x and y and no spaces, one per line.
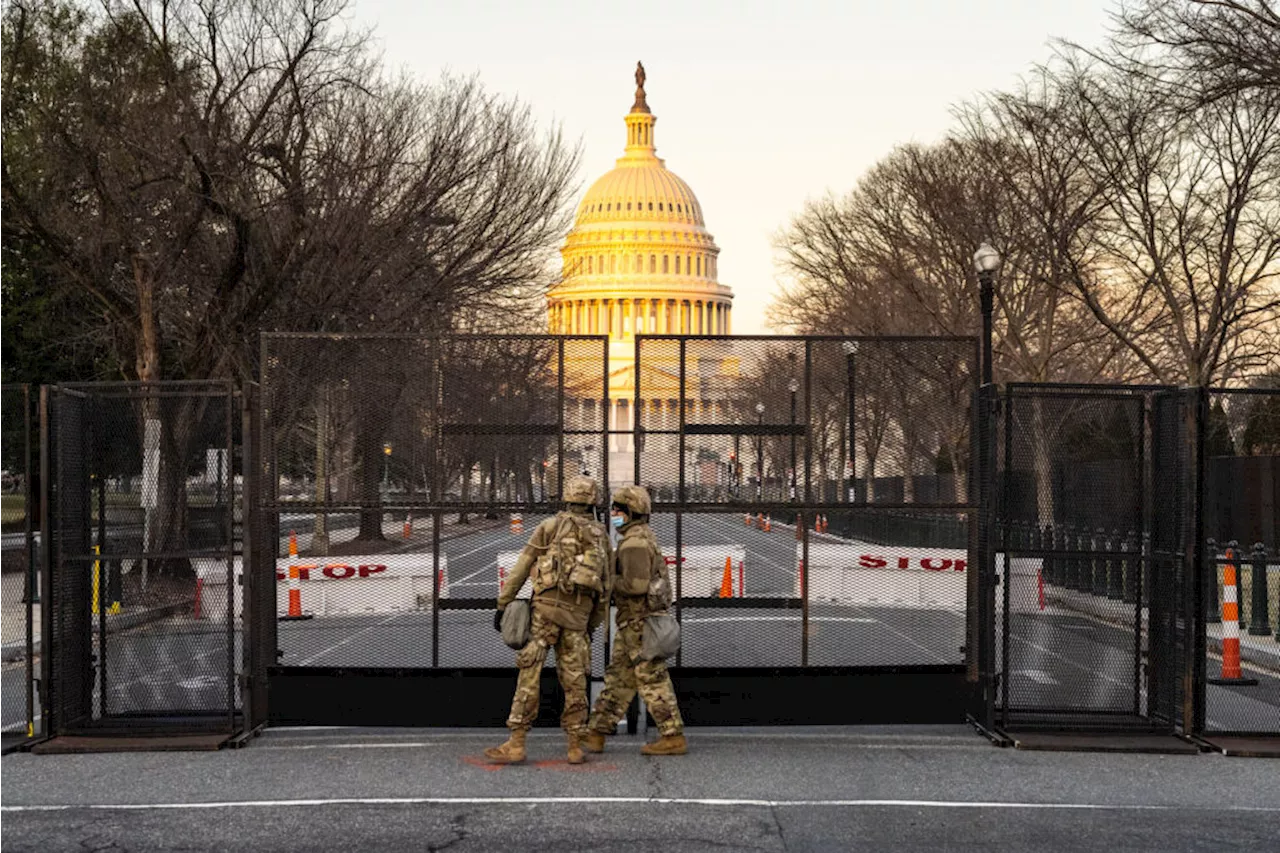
{"x":639,"y":260}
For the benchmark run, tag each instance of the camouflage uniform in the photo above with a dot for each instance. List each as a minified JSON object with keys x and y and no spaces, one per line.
{"x":561,"y":620}
{"x":638,"y":559}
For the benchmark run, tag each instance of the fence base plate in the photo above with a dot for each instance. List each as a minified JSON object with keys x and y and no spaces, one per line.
{"x":71,"y":744}
{"x":1102,"y":742}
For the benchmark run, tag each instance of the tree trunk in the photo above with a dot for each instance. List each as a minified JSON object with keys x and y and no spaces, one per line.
{"x":369,"y":463}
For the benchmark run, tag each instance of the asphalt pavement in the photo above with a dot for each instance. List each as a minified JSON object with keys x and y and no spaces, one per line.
{"x":907,"y":789}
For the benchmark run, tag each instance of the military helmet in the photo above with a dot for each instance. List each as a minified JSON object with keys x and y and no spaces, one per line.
{"x":581,"y":490}
{"x":634,"y":498}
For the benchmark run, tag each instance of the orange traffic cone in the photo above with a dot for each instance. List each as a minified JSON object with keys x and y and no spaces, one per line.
{"x":293,"y":544}
{"x":517,"y":523}
{"x":726,"y":582}
{"x":768,"y":524}
{"x":747,"y":519}
{"x":1231,"y":672}
{"x":295,"y":596}
{"x":817,"y":524}
{"x":760,"y":520}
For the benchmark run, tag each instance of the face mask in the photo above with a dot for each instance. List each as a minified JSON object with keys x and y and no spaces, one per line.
{"x":618,"y":521}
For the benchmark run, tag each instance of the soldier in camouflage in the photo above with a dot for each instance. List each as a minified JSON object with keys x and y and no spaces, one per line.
{"x":640,"y":588}
{"x":569,"y":558}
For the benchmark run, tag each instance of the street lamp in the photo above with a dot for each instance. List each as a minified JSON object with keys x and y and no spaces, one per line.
{"x":850,"y":353}
{"x":986,"y":261}
{"x":793,"y":386}
{"x":760,"y":452}
{"x":386,"y":457}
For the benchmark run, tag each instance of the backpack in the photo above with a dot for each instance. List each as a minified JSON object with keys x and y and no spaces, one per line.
{"x":575,"y":559}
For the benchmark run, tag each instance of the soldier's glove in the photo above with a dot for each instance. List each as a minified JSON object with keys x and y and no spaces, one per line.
{"x":497,"y":620}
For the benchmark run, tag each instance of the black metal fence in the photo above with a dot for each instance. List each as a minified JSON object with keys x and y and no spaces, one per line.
{"x":20,"y":619}
{"x":401,"y":476}
{"x":813,"y":494}
{"x":140,"y":572}
{"x":820,"y":501}
{"x":1073,"y":554}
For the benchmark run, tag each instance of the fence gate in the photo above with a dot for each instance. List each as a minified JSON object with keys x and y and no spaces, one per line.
{"x":1241,"y":512}
{"x":23,"y":716}
{"x":813,"y":498}
{"x":401,"y":477}
{"x":139,"y":549}
{"x":1094,"y":533}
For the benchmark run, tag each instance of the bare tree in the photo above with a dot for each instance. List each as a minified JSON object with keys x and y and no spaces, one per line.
{"x":1213,"y":48}
{"x":1191,"y":238}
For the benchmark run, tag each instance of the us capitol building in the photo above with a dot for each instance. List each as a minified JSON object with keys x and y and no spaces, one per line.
{"x":639,"y":260}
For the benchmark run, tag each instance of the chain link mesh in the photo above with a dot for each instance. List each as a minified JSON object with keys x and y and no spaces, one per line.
{"x":20,"y":619}
{"x":144,"y":596}
{"x":404,"y":476}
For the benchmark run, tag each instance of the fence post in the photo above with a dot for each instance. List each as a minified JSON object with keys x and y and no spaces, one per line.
{"x":1212,"y":607}
{"x":1099,"y":586}
{"x":1259,"y":624}
{"x":1115,"y":576}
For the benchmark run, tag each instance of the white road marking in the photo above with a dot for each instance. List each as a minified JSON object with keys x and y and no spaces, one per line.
{"x":408,"y":744}
{"x":663,"y":801}
{"x":349,"y":638}
{"x":782,"y":618}
{"x":1039,"y":676}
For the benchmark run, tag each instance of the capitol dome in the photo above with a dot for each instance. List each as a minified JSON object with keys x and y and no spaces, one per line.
{"x":639,"y":259}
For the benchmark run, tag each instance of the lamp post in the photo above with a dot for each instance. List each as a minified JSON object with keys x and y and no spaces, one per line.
{"x":735,"y":464}
{"x":986,"y":261}
{"x":850,"y":354}
{"x":760,"y":452}
{"x":386,"y":458}
{"x":793,"y":386}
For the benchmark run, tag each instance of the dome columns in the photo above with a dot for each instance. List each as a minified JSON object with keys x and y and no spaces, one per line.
{"x":624,"y":318}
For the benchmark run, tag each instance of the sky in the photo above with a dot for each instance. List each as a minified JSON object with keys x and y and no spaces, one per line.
{"x":760,"y":105}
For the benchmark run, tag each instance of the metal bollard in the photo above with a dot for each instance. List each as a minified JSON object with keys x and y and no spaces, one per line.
{"x":1046,"y":545}
{"x":1259,"y":624}
{"x":1234,"y":547}
{"x":1099,"y":585}
{"x":1212,"y":606}
{"x":1115,"y":574}
{"x":1132,"y":567}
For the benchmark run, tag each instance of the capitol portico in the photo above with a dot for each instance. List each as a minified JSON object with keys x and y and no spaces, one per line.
{"x":638,"y":260}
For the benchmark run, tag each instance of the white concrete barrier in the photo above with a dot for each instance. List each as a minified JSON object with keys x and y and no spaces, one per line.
{"x":211,"y":588}
{"x":702,"y":570}
{"x":372,"y":583}
{"x":864,"y":573}
{"x":1026,"y":590}
{"x":506,"y":562}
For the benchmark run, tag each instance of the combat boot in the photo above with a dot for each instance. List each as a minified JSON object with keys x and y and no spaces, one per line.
{"x":666,"y":745}
{"x":575,"y":751}
{"x":511,"y":752}
{"x":593,"y":742}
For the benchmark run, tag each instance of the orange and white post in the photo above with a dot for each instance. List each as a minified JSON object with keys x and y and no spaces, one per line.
{"x":1231,"y":672}
{"x":295,"y":582}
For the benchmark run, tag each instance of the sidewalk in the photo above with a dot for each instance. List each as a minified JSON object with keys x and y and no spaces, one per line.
{"x":1262,"y":651}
